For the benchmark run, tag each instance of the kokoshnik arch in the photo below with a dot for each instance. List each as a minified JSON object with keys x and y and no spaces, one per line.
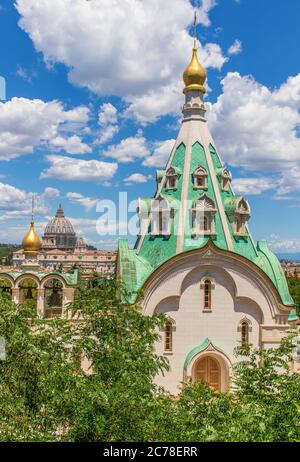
{"x":196,"y":261}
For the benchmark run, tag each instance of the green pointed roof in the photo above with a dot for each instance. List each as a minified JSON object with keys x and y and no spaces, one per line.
{"x":195,"y":148}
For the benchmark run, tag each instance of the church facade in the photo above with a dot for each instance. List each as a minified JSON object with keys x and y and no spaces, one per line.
{"x":196,"y":262}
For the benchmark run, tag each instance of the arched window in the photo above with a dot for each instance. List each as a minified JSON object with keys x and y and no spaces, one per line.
{"x":226,"y":179}
{"x":239,"y":224}
{"x":241,"y":216}
{"x":5,"y":288}
{"x":244,"y":329}
{"x":161,"y":217}
{"x":244,"y":333}
{"x":172,"y":176}
{"x":200,"y":178}
{"x":205,"y":225}
{"x":168,"y":340}
{"x":207,"y":295}
{"x":203,"y":217}
{"x":238,"y":211}
{"x":53,"y":299}
{"x":28,"y":295}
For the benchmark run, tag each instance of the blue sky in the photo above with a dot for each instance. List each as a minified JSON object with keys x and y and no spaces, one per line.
{"x":94,"y":93}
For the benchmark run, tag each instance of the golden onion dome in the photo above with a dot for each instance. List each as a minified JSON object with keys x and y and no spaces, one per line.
{"x":31,"y":242}
{"x":194,"y":76}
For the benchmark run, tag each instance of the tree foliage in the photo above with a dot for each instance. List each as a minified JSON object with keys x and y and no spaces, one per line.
{"x":47,"y":396}
{"x":294,"y":288}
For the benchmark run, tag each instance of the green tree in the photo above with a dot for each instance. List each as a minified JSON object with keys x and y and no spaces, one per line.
{"x":294,"y":288}
{"x":266,"y":385}
{"x":46,"y":395}
{"x":36,"y":375}
{"x":118,"y":341}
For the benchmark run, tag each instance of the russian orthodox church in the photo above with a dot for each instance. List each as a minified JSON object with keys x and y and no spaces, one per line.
{"x":196,"y":262}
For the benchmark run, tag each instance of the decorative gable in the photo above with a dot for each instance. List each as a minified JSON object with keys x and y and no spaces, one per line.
{"x":238,"y":211}
{"x":203,"y":212}
{"x":200,"y":178}
{"x":172,"y":176}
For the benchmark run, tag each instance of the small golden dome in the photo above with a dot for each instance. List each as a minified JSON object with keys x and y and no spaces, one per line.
{"x":194,"y":76}
{"x":31,"y":242}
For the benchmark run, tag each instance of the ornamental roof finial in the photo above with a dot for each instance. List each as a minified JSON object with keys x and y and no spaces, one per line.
{"x":194,"y":76}
{"x":31,"y":242}
{"x":195,"y":30}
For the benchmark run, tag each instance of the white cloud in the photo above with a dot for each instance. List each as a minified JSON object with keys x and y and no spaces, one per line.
{"x":108,"y":120}
{"x":71,"y":169}
{"x":124,"y":47}
{"x":161,"y":152}
{"x":253,"y":186}
{"x":235,"y":48}
{"x":26,"y":124}
{"x":254,"y":126}
{"x":168,"y":98}
{"x":289,"y":93}
{"x":72,"y":145}
{"x":129,"y":149}
{"x":137,"y":178}
{"x":289,"y":181}
{"x":108,"y":114}
{"x":258,"y":129}
{"x":281,"y":245}
{"x":25,"y":74}
{"x":77,"y":198}
{"x":16,"y":203}
{"x":203,"y":12}
{"x":107,"y":134}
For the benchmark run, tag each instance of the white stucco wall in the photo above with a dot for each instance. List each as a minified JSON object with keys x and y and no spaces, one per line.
{"x":238,"y":292}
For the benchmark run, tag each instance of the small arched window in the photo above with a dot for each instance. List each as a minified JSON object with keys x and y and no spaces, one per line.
{"x":244,"y":333}
{"x":168,"y":336}
{"x":161,"y":218}
{"x":172,"y":175}
{"x":205,"y":223}
{"x":203,"y":217}
{"x":242,"y":215}
{"x":225,"y":179}
{"x":200,"y":178}
{"x":207,"y":295}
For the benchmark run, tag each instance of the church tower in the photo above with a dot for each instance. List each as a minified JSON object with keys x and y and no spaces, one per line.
{"x":195,"y":258}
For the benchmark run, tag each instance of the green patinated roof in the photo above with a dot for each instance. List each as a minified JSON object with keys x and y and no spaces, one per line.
{"x":293,"y":315}
{"x":270,"y":264}
{"x":71,"y":279}
{"x":231,"y":203}
{"x":150,"y":252}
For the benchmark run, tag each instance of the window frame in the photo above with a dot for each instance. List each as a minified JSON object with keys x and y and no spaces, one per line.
{"x":168,"y":338}
{"x":172,"y":175}
{"x":207,"y":299}
{"x":200,"y":173}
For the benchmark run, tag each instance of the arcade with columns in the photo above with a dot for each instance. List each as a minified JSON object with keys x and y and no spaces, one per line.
{"x":46,"y":293}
